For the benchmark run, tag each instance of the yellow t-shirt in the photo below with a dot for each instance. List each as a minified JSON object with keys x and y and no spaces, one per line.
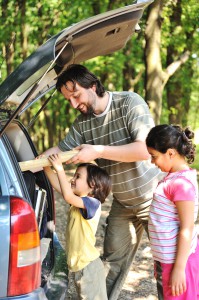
{"x":80,"y":234}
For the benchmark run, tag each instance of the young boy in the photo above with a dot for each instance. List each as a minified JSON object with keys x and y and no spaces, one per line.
{"x":88,"y":189}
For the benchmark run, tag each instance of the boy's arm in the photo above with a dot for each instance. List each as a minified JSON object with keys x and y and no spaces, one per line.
{"x":53,"y":178}
{"x":60,"y":182}
{"x":67,"y":191}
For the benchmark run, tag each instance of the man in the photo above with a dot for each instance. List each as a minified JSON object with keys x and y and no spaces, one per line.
{"x":111,"y":130}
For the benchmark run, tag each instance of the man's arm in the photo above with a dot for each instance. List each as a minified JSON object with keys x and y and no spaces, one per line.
{"x":50,"y":151}
{"x":135,"y":151}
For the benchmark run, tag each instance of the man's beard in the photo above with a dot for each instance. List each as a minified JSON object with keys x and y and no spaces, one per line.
{"x":90,"y":108}
{"x":88,"y":112}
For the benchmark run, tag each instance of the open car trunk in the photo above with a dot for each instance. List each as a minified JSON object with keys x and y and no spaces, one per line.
{"x":39,"y":193}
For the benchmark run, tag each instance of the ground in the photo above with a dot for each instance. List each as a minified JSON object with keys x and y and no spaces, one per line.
{"x":140,"y":283}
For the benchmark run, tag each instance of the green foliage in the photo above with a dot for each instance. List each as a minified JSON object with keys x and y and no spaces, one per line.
{"x":27,"y":24}
{"x":180,"y":34}
{"x":195,"y":164}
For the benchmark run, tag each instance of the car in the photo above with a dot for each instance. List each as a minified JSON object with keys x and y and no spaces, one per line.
{"x":32,"y":260}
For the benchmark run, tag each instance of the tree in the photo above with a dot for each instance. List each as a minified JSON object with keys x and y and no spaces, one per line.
{"x":156,"y":76}
{"x":182,"y":27}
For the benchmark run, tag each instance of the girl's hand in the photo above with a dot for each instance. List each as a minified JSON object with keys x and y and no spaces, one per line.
{"x":178,"y":282}
{"x":56,"y":162}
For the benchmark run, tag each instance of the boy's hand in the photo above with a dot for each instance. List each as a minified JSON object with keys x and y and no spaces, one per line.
{"x":56,"y":162}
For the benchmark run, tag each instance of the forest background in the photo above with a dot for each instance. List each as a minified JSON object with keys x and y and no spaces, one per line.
{"x":160,"y":62}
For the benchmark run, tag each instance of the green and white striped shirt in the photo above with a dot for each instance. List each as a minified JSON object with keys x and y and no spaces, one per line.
{"x":125,"y":120}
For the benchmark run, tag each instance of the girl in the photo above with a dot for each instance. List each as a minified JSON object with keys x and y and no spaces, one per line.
{"x":88,"y":189}
{"x":173,"y":235}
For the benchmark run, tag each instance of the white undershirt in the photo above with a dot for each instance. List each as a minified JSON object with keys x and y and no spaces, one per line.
{"x":107,"y":107}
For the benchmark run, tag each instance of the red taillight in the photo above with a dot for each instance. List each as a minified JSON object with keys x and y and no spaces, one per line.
{"x":25,"y":264}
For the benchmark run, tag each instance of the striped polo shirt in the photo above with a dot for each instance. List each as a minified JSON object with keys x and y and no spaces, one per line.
{"x":164,"y":222}
{"x":125,"y":120}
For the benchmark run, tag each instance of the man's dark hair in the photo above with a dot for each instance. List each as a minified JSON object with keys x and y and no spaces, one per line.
{"x":97,"y":179}
{"x":79,"y":74}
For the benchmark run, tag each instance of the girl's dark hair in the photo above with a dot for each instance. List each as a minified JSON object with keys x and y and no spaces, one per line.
{"x":81,"y":75}
{"x":163,"y":137}
{"x":97,"y":179}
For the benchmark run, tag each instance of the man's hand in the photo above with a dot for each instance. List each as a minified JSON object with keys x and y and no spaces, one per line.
{"x":87,"y":153}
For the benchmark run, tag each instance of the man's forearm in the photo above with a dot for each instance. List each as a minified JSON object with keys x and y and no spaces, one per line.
{"x":136,"y":151}
{"x":50,"y":151}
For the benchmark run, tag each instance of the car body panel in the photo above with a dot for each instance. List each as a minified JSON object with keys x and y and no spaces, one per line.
{"x":4,"y":238}
{"x":12,"y":144}
{"x":11,"y":186}
{"x":38,"y":294}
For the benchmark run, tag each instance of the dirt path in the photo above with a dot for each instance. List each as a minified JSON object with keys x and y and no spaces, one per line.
{"x":140,"y":283}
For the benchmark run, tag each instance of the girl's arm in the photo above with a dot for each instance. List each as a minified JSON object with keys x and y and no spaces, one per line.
{"x":60,"y":182}
{"x":186,"y":215}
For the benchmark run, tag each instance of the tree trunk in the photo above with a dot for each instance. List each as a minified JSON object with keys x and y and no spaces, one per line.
{"x":156,"y":78}
{"x":128,"y":70}
{"x":23,"y":33}
{"x":8,"y":47}
{"x":174,"y":96}
{"x":154,"y":74}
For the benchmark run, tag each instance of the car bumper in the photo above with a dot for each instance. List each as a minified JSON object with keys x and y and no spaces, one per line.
{"x":35,"y":295}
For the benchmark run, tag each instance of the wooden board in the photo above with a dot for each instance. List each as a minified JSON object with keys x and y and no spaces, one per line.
{"x":44,"y":162}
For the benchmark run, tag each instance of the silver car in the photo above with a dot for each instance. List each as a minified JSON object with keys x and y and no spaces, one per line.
{"x":32,"y":261}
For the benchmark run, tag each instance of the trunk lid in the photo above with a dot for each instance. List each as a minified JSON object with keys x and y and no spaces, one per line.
{"x":99,"y":35}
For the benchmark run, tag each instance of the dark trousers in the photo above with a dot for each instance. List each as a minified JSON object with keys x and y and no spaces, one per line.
{"x":123,"y":235}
